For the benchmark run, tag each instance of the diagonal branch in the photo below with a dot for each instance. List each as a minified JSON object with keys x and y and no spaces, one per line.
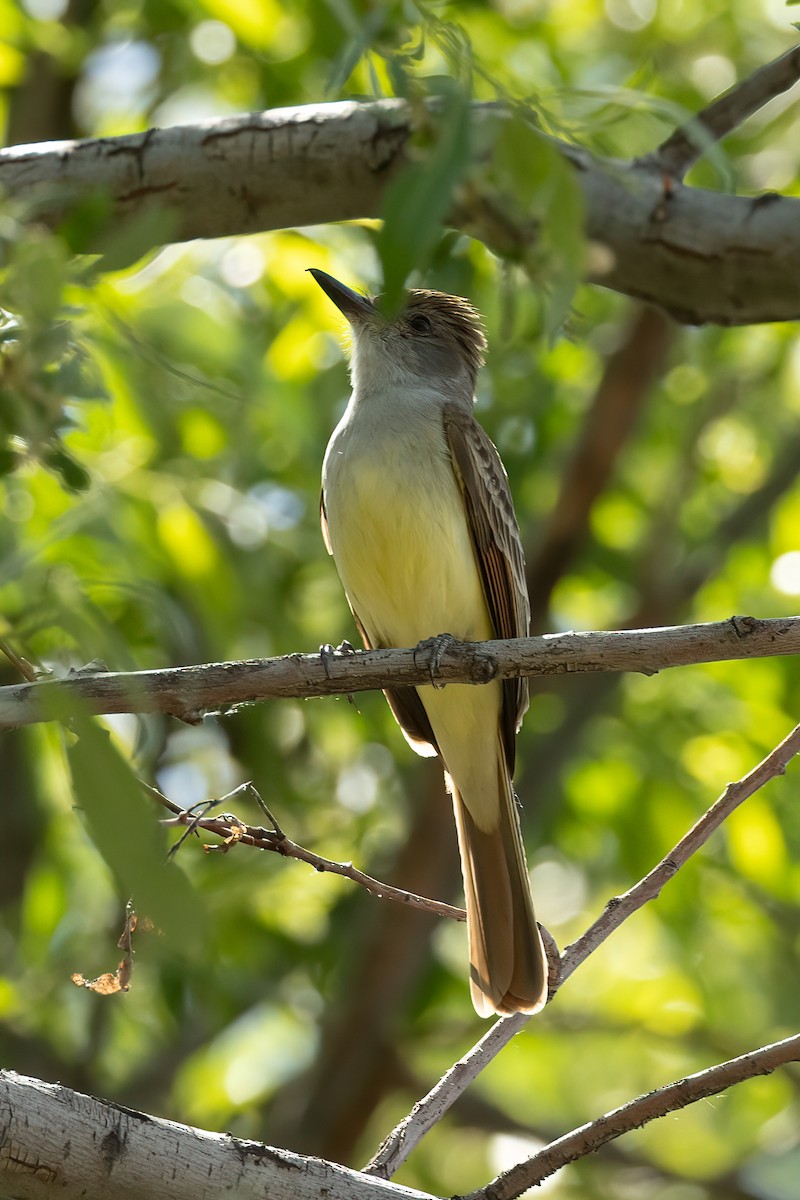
{"x":686,"y":145}
{"x":428,"y":1111}
{"x":671,"y":1098}
{"x":620,"y":908}
{"x":190,"y":692}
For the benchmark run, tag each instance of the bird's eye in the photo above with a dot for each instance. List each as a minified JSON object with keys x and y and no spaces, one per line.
{"x":420,"y":324}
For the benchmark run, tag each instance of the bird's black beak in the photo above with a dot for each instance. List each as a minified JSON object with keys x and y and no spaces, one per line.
{"x":353,"y":305}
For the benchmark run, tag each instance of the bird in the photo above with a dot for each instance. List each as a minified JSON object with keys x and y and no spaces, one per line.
{"x":417,"y":513}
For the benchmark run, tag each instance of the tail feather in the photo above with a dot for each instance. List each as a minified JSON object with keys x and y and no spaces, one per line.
{"x":508,"y":966}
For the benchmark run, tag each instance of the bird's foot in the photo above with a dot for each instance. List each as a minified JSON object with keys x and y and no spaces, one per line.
{"x":435,"y":649}
{"x":327,"y":652}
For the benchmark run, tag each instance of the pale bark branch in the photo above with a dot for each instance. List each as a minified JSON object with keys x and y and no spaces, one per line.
{"x":429,"y":1110}
{"x":56,"y":1142}
{"x":659,"y":1103}
{"x":701,"y":255}
{"x":190,"y":692}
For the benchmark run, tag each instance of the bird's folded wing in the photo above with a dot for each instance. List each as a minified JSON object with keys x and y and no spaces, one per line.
{"x":496,"y":542}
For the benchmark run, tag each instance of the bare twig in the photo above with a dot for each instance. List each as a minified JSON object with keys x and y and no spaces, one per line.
{"x":425,"y":1114}
{"x":686,"y":145}
{"x":233,"y":831}
{"x":619,"y":908}
{"x":188,"y":692}
{"x":26,"y":670}
{"x":671,"y":1098}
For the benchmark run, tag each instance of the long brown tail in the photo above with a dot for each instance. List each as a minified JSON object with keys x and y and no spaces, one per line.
{"x":508,"y":966}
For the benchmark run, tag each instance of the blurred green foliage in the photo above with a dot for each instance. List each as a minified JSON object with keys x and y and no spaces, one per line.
{"x":163,"y":425}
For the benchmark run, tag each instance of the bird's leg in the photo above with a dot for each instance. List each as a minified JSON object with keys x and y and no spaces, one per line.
{"x":435,"y":648}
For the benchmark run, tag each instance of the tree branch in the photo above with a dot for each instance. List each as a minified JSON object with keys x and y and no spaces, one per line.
{"x":190,"y":692}
{"x":235,"y":832}
{"x":35,"y":1160}
{"x":429,"y":1110}
{"x":686,"y":145}
{"x":634,"y":1114}
{"x":701,"y":255}
{"x":54,"y":1141}
{"x":619,"y":908}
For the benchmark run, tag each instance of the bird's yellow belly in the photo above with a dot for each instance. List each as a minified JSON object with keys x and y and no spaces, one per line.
{"x":404,"y":553}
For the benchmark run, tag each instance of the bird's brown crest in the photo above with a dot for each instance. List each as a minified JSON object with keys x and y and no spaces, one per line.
{"x":454,"y":316}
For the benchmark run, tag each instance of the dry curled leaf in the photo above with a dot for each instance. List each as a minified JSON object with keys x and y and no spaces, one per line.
{"x":107,"y":984}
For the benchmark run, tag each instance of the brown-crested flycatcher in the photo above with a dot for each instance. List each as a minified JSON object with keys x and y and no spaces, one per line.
{"x":417,"y":513}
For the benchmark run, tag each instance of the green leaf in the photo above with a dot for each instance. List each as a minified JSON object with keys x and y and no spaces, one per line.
{"x":537,"y":187}
{"x":523,"y":165}
{"x":124,"y":827}
{"x":37,"y":277}
{"x":87,"y":218}
{"x":74,"y":477}
{"x":417,"y":202}
{"x":134,"y":237}
{"x":563,"y":238}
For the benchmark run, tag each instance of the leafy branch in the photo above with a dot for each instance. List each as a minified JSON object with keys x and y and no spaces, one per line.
{"x":664,"y":241}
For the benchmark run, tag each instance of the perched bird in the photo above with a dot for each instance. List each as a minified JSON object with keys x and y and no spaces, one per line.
{"x":417,"y":513}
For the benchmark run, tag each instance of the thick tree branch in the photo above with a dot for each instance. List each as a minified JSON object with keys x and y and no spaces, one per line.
{"x":634,"y":1114}
{"x":56,"y":1142}
{"x":430,"y":1109}
{"x":190,"y":692}
{"x":700,"y":255}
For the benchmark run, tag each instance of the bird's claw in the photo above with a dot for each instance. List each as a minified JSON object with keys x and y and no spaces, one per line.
{"x":327,"y":652}
{"x":435,"y":649}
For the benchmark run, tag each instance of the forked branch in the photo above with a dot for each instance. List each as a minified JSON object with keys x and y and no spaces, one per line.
{"x":425,"y":1114}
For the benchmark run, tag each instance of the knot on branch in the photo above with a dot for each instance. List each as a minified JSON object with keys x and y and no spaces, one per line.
{"x":483,"y":667}
{"x":744,"y":626}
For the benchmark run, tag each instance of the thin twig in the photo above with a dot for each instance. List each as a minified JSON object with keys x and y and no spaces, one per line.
{"x":425,"y":1114}
{"x":233,"y":831}
{"x":686,"y":145}
{"x":26,"y":670}
{"x":619,"y":908}
{"x":189,"y":692}
{"x":671,"y":1098}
